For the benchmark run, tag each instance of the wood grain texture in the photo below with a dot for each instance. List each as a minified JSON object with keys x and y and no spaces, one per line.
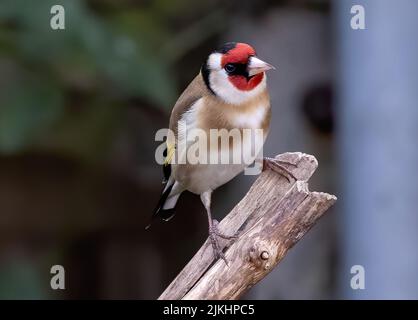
{"x":269,"y":220}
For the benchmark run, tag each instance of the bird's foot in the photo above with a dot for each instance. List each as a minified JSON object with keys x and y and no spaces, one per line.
{"x":277,"y":166}
{"x":215,"y":230}
{"x":213,"y":236}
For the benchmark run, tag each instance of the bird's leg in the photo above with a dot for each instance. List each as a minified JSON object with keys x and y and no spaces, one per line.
{"x":277,"y":166}
{"x":213,"y":228}
{"x":213,"y":236}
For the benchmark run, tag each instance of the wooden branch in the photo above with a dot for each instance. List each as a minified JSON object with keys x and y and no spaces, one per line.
{"x":269,"y":220}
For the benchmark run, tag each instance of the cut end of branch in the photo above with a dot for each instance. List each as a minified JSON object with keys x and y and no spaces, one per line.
{"x":301,"y":165}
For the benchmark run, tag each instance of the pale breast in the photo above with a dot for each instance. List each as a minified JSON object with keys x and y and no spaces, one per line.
{"x":252,"y":124}
{"x":252,"y":119}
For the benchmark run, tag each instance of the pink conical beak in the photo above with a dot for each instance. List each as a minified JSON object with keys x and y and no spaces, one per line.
{"x":256,"y":66}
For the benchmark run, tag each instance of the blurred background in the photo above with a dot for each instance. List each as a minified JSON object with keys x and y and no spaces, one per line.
{"x":79,"y":109}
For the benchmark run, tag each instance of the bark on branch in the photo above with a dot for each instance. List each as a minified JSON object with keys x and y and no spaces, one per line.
{"x":269,"y":220}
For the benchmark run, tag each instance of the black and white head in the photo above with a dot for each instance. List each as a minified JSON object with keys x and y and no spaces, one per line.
{"x":234,"y":73}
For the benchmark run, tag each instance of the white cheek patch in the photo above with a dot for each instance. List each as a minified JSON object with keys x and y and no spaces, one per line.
{"x":228,"y":92}
{"x":215,"y":61}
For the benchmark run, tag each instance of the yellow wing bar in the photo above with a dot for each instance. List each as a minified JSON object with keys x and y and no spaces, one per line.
{"x":171,"y":148}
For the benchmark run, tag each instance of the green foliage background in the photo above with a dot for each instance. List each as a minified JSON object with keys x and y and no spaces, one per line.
{"x":63,"y":90}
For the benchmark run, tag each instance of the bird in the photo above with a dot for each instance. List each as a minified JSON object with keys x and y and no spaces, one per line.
{"x":230,"y":92}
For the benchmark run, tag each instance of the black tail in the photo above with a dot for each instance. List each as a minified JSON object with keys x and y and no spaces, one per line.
{"x":165,"y":214}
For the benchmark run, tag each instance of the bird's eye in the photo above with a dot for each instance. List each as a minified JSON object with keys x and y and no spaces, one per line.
{"x":229,"y":67}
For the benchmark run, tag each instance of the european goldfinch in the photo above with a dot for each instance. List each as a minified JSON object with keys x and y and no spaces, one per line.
{"x":230,"y":92}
